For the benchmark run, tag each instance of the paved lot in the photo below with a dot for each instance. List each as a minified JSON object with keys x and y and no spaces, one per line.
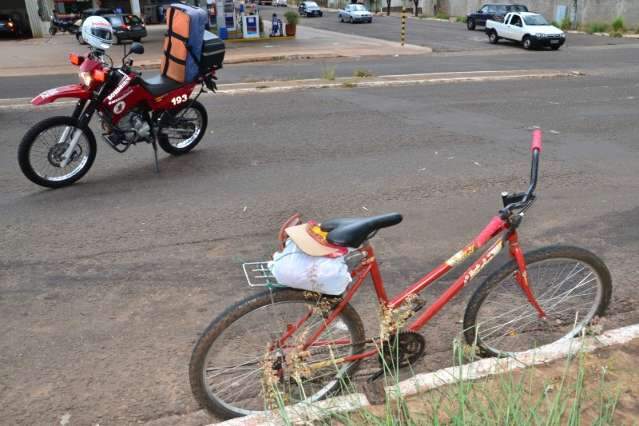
{"x":441,"y":36}
{"x":104,"y":286}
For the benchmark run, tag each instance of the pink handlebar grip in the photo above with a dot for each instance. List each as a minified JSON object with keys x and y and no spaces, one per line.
{"x":536,"y":140}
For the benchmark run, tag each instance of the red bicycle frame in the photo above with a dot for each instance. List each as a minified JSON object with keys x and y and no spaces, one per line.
{"x":499,"y":225}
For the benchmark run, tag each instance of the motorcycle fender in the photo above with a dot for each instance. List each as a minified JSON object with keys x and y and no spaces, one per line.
{"x":77,"y":91}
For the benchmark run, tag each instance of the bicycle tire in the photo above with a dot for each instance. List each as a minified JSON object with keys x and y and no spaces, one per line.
{"x":490,"y":287}
{"x":198,"y":365}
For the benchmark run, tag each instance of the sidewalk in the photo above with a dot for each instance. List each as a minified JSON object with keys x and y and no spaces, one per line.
{"x":50,"y":55}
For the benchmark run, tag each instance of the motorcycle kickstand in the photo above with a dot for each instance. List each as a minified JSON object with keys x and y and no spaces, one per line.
{"x":155,"y":155}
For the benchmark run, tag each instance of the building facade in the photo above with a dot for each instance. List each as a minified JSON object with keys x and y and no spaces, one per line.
{"x":35,"y":15}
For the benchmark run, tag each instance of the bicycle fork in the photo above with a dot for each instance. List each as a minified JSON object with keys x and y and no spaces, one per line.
{"x":521,"y":276}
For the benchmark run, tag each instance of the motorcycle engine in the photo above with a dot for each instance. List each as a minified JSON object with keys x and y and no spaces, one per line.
{"x":131,"y":128}
{"x":135,"y":127}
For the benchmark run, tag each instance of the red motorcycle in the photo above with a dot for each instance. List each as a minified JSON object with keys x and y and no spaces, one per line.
{"x":158,"y":110}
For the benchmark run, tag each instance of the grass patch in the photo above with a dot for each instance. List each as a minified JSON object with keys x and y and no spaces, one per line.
{"x":597,"y":27}
{"x":441,"y":15}
{"x":617,"y":25}
{"x":461,"y":19}
{"x":362,"y":73}
{"x":328,"y":73}
{"x":579,"y":390}
{"x":616,"y":34}
{"x":349,"y":84}
{"x":565,"y":24}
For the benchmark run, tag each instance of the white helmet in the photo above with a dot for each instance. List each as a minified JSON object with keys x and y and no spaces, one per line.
{"x":97,"y":32}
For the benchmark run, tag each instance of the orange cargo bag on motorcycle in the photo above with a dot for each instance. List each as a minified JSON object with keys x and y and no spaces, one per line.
{"x":183,"y":42}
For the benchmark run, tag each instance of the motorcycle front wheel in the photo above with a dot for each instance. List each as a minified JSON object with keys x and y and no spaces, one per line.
{"x":41,"y":152}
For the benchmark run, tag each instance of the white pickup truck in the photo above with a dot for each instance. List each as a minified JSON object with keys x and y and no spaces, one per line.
{"x":529,"y":29}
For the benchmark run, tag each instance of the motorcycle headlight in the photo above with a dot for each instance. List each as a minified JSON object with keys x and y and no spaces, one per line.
{"x":85,"y":78}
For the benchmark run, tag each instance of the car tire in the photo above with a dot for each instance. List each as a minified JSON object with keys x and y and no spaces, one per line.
{"x":350,"y":20}
{"x":527,"y":43}
{"x":555,"y":47}
{"x":493,"y":38}
{"x":470,"y":24}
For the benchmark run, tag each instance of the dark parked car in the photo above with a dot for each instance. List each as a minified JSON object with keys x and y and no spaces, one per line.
{"x":493,"y":11}
{"x":9,"y":26}
{"x":125,"y":27}
{"x":95,"y":12}
{"x":309,"y":8}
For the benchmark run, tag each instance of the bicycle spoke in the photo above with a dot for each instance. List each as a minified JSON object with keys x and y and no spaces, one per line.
{"x":565,"y":290}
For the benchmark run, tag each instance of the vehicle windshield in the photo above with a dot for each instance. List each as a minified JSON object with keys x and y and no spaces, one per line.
{"x":535,"y":20}
{"x":132,"y":20}
{"x":311,"y":4}
{"x":116,"y":21}
{"x":358,"y":8}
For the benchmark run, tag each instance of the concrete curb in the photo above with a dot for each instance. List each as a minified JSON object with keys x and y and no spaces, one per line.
{"x":307,"y":413}
{"x":343,"y":82}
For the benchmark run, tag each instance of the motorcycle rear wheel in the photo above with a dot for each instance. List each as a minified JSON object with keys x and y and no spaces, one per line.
{"x":176,"y":123}
{"x":44,"y":138}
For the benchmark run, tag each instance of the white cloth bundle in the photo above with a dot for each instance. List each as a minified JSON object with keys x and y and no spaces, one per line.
{"x":294,"y":268}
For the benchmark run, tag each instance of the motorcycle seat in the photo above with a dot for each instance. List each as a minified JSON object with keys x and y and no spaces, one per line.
{"x":352,"y":232}
{"x":159,"y":84}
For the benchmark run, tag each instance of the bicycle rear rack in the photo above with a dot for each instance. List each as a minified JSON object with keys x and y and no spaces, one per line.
{"x":258,"y":274}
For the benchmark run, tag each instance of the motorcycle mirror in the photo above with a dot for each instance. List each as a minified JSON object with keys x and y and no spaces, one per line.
{"x":136,"y":48}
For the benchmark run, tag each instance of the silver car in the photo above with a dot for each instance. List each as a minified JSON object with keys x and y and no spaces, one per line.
{"x":354,"y":13}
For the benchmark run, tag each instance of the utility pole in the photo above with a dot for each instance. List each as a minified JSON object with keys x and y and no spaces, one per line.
{"x":574,"y":14}
{"x":402,"y":36}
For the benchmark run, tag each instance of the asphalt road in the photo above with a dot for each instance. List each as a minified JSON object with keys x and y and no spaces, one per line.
{"x":457,"y":49}
{"x":105,"y":285}
{"x":594,"y":60}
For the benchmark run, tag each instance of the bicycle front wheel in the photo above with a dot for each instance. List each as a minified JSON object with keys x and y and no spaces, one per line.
{"x":572,"y":286}
{"x":242,"y":365}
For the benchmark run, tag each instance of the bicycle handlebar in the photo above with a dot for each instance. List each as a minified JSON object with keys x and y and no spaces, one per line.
{"x":535,"y":147}
{"x":536,"y":142}
{"x":523,"y":200}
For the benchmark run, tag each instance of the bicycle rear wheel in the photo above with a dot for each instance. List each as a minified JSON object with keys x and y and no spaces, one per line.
{"x":237,"y":368}
{"x":572,"y":286}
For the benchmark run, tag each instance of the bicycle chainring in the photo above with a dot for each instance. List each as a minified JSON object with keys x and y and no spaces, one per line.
{"x":402,"y":349}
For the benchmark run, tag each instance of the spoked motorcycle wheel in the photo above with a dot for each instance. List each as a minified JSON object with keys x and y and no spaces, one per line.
{"x":41,"y":151}
{"x":181,"y":130}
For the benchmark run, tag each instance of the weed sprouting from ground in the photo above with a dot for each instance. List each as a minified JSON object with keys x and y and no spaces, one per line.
{"x":328,"y":73}
{"x":362,"y":73}
{"x":515,"y":398}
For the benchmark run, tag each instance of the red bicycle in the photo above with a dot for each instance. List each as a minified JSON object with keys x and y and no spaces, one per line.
{"x":285,"y":346}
